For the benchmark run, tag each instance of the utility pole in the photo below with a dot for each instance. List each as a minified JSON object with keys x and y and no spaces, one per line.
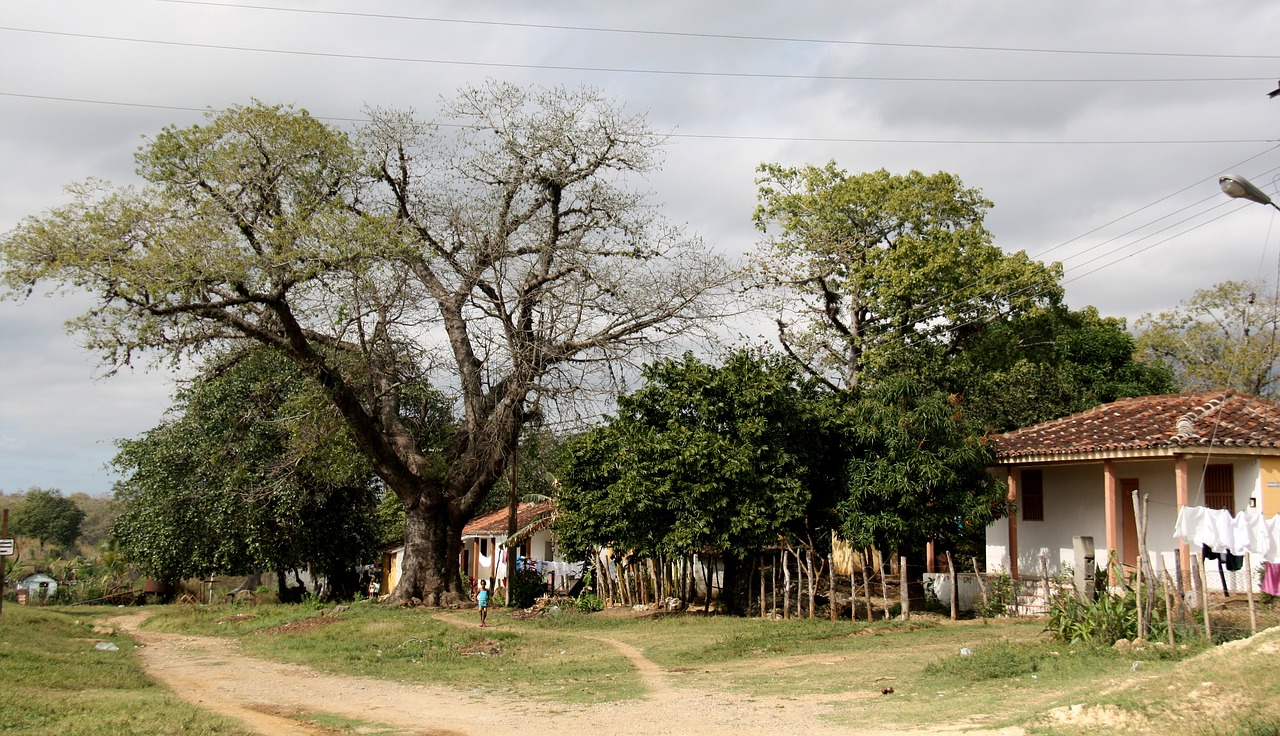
{"x":513,"y":502}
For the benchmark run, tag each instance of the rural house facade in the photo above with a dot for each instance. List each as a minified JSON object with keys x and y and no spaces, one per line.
{"x":1075,"y":476}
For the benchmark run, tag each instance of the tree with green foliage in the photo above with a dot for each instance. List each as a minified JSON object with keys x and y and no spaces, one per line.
{"x":918,"y":470}
{"x":728,"y":458}
{"x":1048,"y":363}
{"x":253,"y":470}
{"x":47,"y":516}
{"x":881,"y":273}
{"x":1223,"y":337}
{"x":498,"y":254}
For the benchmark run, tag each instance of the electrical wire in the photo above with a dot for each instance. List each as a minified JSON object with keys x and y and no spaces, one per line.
{"x":625,"y":70}
{"x":725,"y":36}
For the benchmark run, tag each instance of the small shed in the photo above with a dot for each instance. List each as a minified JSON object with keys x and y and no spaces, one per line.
{"x":37,"y":585}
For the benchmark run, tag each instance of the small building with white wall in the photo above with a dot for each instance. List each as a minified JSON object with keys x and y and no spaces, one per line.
{"x":1075,"y":476}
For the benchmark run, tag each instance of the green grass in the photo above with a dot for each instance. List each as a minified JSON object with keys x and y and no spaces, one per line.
{"x":57,"y":683}
{"x":1015,"y":674}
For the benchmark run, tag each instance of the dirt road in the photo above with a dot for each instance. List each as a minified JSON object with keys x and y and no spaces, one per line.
{"x":270,"y":698}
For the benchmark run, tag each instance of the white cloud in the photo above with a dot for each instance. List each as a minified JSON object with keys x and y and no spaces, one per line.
{"x":57,"y":423}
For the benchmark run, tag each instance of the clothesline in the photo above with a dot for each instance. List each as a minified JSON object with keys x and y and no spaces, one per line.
{"x":1218,"y":530}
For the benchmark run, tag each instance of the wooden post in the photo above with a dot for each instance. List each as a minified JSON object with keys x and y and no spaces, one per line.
{"x":786,"y":586}
{"x":1253,"y":611}
{"x":1204,"y":597}
{"x":866,"y":581}
{"x":1137,"y":515}
{"x":513,"y":503}
{"x":1044,"y":577}
{"x":831,"y":569}
{"x":982,"y":587}
{"x":1168,"y":604}
{"x":902,"y":589}
{"x":762,"y":600}
{"x":955,"y":587}
{"x":773,"y":578}
{"x":884,"y":587}
{"x":1182,"y":592}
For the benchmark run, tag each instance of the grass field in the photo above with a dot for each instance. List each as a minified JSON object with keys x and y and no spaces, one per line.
{"x":57,"y":683}
{"x":1013,"y":675}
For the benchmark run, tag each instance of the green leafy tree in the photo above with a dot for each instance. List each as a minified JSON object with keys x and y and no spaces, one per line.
{"x":252,"y":471}
{"x":47,"y":516}
{"x":728,"y":458}
{"x":881,"y":273}
{"x":1223,"y":337}
{"x":1048,"y":363}
{"x":499,"y":254}
{"x":918,"y":472}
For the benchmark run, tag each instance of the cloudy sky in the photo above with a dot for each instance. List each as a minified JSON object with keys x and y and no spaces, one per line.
{"x":1098,"y":129}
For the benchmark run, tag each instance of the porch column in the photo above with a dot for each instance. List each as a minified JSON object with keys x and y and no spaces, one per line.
{"x":928,"y":556}
{"x":1184,"y":496}
{"x":1011,"y":479}
{"x":1111,"y":504}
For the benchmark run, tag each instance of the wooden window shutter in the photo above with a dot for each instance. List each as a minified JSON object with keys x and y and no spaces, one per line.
{"x":1220,"y":487}
{"x":1032,"y":495}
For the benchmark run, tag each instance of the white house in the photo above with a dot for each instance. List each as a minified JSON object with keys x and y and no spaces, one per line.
{"x":484,"y":552}
{"x":38,"y":585}
{"x":1076,"y":475}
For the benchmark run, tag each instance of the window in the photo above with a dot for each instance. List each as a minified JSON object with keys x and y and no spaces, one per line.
{"x":1032,"y":495}
{"x":1220,"y":488}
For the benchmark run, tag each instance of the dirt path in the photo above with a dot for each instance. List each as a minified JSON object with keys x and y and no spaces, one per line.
{"x":213,"y":674}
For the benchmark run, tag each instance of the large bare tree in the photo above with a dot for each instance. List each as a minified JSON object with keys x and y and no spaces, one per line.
{"x":498,"y":254}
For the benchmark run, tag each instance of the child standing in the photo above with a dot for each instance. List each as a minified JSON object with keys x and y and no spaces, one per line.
{"x":482,"y":601}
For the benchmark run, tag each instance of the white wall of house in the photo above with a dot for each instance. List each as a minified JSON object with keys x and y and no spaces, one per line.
{"x":1074,"y":505}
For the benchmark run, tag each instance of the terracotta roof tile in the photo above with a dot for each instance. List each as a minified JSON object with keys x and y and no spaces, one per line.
{"x":495,"y":522}
{"x":1217,"y":418}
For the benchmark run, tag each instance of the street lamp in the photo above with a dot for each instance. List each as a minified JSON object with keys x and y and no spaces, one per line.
{"x":1234,"y":185}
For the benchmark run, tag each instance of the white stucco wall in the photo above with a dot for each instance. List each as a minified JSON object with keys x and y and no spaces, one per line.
{"x":1074,"y":505}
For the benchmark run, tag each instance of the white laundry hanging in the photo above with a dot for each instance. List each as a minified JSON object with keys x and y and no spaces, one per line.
{"x":1218,"y":530}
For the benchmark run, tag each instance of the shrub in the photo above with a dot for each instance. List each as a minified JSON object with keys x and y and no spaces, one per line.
{"x":589,"y":603}
{"x":526,"y":587}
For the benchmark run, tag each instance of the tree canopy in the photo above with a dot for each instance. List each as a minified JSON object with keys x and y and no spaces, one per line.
{"x":252,"y":471}
{"x":1221,"y":337}
{"x":499,"y":256}
{"x":47,"y":516}
{"x":727,"y":458}
{"x":881,"y":273}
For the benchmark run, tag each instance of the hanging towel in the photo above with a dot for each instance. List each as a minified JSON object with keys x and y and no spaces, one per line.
{"x":1271,"y":578}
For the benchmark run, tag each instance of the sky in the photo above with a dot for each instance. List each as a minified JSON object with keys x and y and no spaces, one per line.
{"x":1098,"y":129}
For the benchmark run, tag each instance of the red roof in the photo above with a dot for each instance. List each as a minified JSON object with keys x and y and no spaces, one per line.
{"x":494,"y":523}
{"x":1204,"y":419}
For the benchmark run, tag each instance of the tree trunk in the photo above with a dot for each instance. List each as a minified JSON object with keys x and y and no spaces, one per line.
{"x":432,"y":546}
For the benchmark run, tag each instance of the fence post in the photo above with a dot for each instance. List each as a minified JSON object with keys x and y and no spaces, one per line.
{"x":902,"y":587}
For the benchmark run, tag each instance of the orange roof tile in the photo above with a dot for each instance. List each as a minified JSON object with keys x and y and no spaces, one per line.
{"x":494,"y":523}
{"x":1208,"y":418}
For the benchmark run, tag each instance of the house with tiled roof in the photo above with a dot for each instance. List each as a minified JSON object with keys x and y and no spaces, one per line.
{"x":1075,"y":476}
{"x":484,"y":548}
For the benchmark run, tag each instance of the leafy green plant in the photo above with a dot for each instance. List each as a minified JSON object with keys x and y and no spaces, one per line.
{"x":589,"y":603}
{"x":526,"y":587}
{"x":1002,"y":598}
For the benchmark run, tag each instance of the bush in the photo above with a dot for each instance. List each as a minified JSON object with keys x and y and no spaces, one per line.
{"x":526,"y":587}
{"x":997,"y":660}
{"x":1002,"y":599}
{"x":589,"y":603}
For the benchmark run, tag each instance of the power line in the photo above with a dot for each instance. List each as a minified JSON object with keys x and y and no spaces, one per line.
{"x":624,"y":70}
{"x":725,"y":136}
{"x":727,"y":36}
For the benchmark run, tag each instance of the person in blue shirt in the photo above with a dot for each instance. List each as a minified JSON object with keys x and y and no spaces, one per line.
{"x":482,"y":602}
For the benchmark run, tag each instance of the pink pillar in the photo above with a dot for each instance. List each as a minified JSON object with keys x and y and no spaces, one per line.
{"x":1011,"y":479}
